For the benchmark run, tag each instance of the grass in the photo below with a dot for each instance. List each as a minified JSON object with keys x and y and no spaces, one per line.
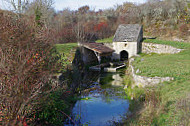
{"x":106,"y":40}
{"x":67,"y":53}
{"x":172,"y":65}
{"x":167,"y":110}
{"x":65,"y":48}
{"x":180,"y":45}
{"x":55,"y":107}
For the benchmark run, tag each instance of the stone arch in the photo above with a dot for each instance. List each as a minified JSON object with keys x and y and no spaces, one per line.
{"x":124,"y":55}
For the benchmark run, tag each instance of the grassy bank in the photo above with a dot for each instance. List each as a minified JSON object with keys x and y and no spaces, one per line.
{"x":67,"y":53}
{"x":65,"y":48}
{"x":167,"y":103}
{"x":56,"y":106}
{"x":106,"y":40}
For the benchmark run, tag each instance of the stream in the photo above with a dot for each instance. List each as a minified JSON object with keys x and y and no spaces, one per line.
{"x":102,"y":104}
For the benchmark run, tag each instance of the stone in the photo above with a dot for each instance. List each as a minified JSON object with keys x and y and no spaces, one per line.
{"x":178,"y":40}
{"x":142,"y":81}
{"x":159,"y":48}
{"x":127,"y":41}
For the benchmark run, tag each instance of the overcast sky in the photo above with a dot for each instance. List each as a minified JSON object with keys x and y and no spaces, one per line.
{"x":75,"y":4}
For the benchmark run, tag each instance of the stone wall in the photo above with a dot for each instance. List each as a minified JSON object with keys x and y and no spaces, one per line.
{"x":142,"y":81}
{"x":159,"y":48}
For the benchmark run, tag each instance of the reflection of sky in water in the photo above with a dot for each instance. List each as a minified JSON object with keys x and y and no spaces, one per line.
{"x":101,"y":108}
{"x":98,"y":112}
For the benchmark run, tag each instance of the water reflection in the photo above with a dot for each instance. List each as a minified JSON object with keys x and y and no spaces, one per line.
{"x":101,"y":104}
{"x":117,"y":80}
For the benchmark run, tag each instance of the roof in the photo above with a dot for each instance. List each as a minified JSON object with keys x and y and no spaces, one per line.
{"x":127,"y":33}
{"x":98,"y":47}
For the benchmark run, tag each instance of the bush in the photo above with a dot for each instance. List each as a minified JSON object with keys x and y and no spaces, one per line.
{"x":54,"y":108}
{"x":25,"y":66}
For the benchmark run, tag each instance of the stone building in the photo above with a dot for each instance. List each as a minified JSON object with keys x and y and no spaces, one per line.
{"x":127,"y":41}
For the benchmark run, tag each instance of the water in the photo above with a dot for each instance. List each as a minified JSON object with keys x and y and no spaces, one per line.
{"x":102,"y":103}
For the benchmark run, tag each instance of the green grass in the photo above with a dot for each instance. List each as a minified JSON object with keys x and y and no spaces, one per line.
{"x":106,"y":40}
{"x":180,"y":45}
{"x":54,"y":107}
{"x":67,"y":53}
{"x":171,"y":93}
{"x":65,"y":48}
{"x":172,"y":65}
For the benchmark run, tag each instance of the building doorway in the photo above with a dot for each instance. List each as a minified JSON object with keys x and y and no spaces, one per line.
{"x":124,"y":55}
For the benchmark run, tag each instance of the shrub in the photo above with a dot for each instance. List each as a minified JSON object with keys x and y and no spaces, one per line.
{"x":25,"y":66}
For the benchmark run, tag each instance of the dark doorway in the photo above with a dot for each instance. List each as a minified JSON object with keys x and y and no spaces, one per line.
{"x":124,"y":55}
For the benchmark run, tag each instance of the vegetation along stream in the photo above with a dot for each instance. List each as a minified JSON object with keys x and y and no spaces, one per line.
{"x":103,"y":103}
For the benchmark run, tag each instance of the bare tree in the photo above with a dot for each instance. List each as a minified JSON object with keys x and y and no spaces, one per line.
{"x":43,"y":11}
{"x":18,"y":6}
{"x":78,"y":28}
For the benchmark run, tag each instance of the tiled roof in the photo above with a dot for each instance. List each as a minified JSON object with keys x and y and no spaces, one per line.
{"x":127,"y":33}
{"x":98,"y":47}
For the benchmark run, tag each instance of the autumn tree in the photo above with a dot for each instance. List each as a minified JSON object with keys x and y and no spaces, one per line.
{"x":102,"y":29}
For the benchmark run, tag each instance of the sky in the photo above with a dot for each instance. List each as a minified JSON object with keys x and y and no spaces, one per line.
{"x":75,"y":4}
{"x":95,"y":4}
